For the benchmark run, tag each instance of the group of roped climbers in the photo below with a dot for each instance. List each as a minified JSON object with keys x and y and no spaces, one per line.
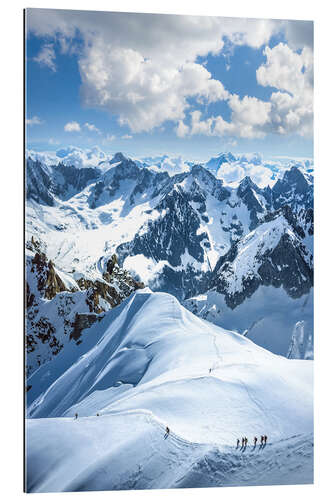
{"x":263,"y":441}
{"x":263,"y":438}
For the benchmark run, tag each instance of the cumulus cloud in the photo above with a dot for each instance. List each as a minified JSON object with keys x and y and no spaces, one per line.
{"x":248,"y":116}
{"x":46,"y":56}
{"x":144,"y":93}
{"x":33,"y":121}
{"x":72,"y":127}
{"x":144,"y":68}
{"x":259,"y":171}
{"x":291,"y":73}
{"x":289,"y":109}
{"x":92,"y":128}
{"x":80,"y":158}
{"x":181,"y":129}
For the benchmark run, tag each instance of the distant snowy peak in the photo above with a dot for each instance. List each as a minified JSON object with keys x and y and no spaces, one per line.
{"x":45,"y":184}
{"x":214,"y":163}
{"x":272,"y":254}
{"x":165,"y":163}
{"x":124,"y":179}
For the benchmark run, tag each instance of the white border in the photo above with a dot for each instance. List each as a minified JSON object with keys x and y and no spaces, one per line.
{"x":11,"y":235}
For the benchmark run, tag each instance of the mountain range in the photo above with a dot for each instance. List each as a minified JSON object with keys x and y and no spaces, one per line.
{"x":238,"y":255}
{"x":159,"y":296}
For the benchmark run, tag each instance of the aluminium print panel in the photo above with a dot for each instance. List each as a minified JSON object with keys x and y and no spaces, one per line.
{"x":168,"y":251}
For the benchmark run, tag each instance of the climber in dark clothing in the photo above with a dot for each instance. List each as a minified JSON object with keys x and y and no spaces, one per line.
{"x":237,"y":444}
{"x":255,"y":441}
{"x":265,"y":439}
{"x":167,"y":432}
{"x":75,"y":416}
{"x":262,"y":439}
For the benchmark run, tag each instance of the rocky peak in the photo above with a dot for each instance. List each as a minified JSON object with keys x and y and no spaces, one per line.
{"x":48,"y":281}
{"x":118,"y":157}
{"x":293,"y":189}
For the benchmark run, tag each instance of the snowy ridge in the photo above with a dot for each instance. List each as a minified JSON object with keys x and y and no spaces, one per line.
{"x":207,"y":384}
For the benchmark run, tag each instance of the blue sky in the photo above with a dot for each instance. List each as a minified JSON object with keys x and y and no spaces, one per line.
{"x":157,"y":89}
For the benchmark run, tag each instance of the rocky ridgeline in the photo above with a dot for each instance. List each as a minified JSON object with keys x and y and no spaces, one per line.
{"x":58,"y":310}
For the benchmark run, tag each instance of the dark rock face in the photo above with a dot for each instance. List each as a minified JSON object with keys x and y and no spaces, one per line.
{"x":55,"y":314}
{"x":38,"y":183}
{"x":247,"y":192}
{"x":82,"y":322}
{"x":293,"y":190}
{"x":177,"y":235}
{"x":69,"y":180}
{"x":61,"y":181}
{"x":48,"y":281}
{"x":287,"y":265}
{"x":134,"y":182}
{"x":209,"y":183}
{"x":169,"y":238}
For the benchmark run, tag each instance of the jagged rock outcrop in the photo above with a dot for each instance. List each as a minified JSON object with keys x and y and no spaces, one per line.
{"x":57,"y":312}
{"x":272,"y":254}
{"x":44,"y":184}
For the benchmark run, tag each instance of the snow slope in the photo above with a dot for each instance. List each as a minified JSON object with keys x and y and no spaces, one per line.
{"x":151,"y":363}
{"x":269,"y":318}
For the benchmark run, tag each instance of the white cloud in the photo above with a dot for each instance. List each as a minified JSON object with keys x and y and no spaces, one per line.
{"x":72,"y":127}
{"x":80,"y":158}
{"x":46,"y":56}
{"x":33,"y":121}
{"x":289,"y":110}
{"x":110,"y":137}
{"x":127,"y":137}
{"x":261,"y":174}
{"x":291,"y":73}
{"x":144,"y":93}
{"x":53,"y":141}
{"x":144,"y":68}
{"x":181,"y":129}
{"x":92,"y":128}
{"x":248,"y":116}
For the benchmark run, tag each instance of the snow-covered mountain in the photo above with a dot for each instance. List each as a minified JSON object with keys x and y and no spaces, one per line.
{"x":131,"y":361}
{"x":263,"y":286}
{"x":165,"y":163}
{"x":131,"y":377}
{"x":188,"y":234}
{"x":60,"y":305}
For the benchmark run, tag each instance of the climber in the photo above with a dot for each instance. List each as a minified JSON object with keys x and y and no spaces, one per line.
{"x":75,"y":416}
{"x":167,"y":432}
